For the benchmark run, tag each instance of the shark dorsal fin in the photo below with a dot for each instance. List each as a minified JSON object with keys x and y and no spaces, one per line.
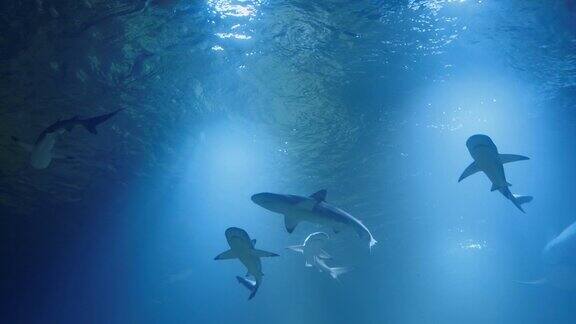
{"x":253,"y":242}
{"x":319,"y":195}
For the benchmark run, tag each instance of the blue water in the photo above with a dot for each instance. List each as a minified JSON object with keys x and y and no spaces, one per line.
{"x":371,"y":100}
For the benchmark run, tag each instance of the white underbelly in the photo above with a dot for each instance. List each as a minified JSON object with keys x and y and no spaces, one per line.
{"x":41,"y":159}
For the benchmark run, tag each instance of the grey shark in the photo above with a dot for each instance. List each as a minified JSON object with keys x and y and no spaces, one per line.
{"x":313,"y":209}
{"x":559,"y":256}
{"x":315,"y":256}
{"x":243,"y":249}
{"x":488,"y":160}
{"x":42,"y":151}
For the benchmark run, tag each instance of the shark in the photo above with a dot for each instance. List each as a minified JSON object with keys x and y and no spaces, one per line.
{"x":314,"y":254}
{"x":487,"y":159}
{"x":312,"y":209}
{"x":42,"y":151}
{"x":560,"y":260}
{"x":243,"y":248}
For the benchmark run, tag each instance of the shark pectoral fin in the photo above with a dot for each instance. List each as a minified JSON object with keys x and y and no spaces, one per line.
{"x":290,"y":223}
{"x":470,"y":170}
{"x":226,"y":255}
{"x":507,"y":158}
{"x":522,"y":199}
{"x":262,"y":253}
{"x":297,"y":248}
{"x":319,"y":195}
{"x":27,"y":147}
{"x":251,"y":285}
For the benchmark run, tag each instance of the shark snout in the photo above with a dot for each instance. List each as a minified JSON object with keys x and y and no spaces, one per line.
{"x":479,"y":140}
{"x":270,"y":201}
{"x":264,"y":198}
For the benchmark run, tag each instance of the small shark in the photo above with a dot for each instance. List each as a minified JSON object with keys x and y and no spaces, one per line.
{"x":313,"y":209}
{"x":313,"y":247}
{"x":333,"y":271}
{"x":314,"y":254}
{"x":488,"y":160}
{"x":243,"y":248}
{"x":41,"y":152}
{"x":562,"y":248}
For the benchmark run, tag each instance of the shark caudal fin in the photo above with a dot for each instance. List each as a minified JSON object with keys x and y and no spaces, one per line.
{"x":519,"y":200}
{"x":372,"y":242}
{"x":91,"y":123}
{"x":249,"y":284}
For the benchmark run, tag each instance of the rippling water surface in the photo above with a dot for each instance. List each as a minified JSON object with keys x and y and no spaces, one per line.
{"x":371,"y":100}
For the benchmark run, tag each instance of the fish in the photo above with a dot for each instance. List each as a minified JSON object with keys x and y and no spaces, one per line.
{"x":488,"y":160}
{"x":315,"y":256}
{"x":42,"y":151}
{"x":244,"y":249}
{"x":313,"y":209}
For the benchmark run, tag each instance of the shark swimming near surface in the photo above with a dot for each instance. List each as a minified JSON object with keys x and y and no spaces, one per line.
{"x":315,"y":256}
{"x":313,"y":209}
{"x":488,"y":160}
{"x":243,"y":249}
{"x":42,"y":151}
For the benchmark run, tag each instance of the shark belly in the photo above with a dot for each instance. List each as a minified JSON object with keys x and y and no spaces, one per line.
{"x":313,"y":216}
{"x":41,"y":156}
{"x":253,"y":266}
{"x":488,"y":162}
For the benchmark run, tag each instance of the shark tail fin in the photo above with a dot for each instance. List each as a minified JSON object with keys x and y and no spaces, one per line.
{"x":519,"y":200}
{"x":372,"y":242}
{"x":249,"y":284}
{"x":523,"y":199}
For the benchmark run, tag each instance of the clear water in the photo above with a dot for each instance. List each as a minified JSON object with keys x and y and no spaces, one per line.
{"x":371,"y":100}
